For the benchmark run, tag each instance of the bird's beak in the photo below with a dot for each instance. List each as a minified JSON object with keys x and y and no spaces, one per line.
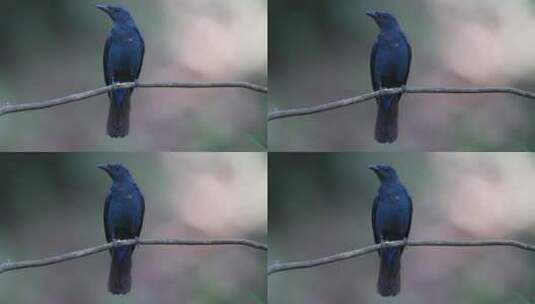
{"x":374,"y":168}
{"x":104,"y":167}
{"x":105,"y":8}
{"x":371,"y":14}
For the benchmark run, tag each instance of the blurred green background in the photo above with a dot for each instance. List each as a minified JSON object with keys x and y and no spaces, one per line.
{"x":53,"y":203}
{"x":54,"y":48}
{"x":319,"y":52}
{"x":320,"y":204}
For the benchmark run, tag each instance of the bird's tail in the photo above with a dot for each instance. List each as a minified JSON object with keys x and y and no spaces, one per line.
{"x":386,"y":124}
{"x":119,"y":114}
{"x":389,"y":282}
{"x":120,"y":280}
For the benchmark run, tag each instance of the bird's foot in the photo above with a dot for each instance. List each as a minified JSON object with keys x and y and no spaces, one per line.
{"x":383,"y":244}
{"x":115,"y":243}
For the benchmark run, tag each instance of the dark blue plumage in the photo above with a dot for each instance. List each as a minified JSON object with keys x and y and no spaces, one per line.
{"x":123,"y":59}
{"x":390,"y":65}
{"x":123,"y":218}
{"x":391,"y":221}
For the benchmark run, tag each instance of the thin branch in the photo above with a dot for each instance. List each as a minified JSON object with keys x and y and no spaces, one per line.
{"x":278,"y":114}
{"x":10,"y":266}
{"x":13,"y":108}
{"x":278,"y":267}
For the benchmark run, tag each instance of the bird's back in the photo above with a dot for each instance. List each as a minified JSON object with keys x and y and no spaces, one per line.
{"x":392,"y":211}
{"x":124,"y":54}
{"x":124,"y":212}
{"x":392,"y":56}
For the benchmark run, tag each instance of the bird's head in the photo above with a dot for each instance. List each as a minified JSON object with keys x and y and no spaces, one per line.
{"x":117,"y":13}
{"x":384,"y":20}
{"x":115,"y":171}
{"x":384,"y":172}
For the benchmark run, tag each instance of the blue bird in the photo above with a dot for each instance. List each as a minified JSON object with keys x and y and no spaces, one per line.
{"x":123,"y":58}
{"x":391,"y":221}
{"x":390,"y":65}
{"x":123,"y":218}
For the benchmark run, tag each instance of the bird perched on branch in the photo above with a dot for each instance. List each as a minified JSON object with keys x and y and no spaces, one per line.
{"x":123,"y":218}
{"x":391,"y":221}
{"x":390,"y":65}
{"x":123,"y":58}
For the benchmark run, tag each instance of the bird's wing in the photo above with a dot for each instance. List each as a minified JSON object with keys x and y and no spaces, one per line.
{"x":106,"y":208}
{"x":374,"y":211}
{"x":407,"y":70}
{"x":410,"y":216}
{"x":142,"y":215}
{"x":138,"y":232}
{"x":107,"y":75}
{"x":373,"y":57}
{"x":138,"y":72}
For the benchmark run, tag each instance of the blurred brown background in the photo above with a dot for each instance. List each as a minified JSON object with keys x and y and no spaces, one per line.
{"x":319,"y":52}
{"x":53,"y":203}
{"x":320,"y":204}
{"x":54,"y":48}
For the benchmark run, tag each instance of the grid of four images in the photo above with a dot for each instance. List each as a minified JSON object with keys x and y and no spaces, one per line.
{"x":232,"y":151}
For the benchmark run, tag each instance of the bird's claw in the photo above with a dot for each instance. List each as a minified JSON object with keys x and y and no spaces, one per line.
{"x":383,"y":244}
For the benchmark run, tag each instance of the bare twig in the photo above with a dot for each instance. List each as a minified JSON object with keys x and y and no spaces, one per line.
{"x":10,"y":266}
{"x":13,"y":108}
{"x":278,"y":114}
{"x":278,"y":267}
